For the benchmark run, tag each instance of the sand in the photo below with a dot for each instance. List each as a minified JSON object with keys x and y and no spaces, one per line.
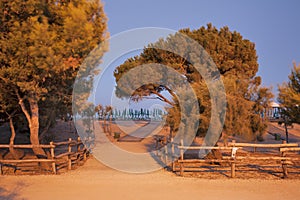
{"x":96,"y":181}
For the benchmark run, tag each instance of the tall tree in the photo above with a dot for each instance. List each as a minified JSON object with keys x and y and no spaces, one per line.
{"x":236,"y":60}
{"x":43,"y":44}
{"x":289,"y":96}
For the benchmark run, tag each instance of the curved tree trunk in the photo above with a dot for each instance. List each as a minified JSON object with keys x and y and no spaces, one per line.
{"x":33,"y":121}
{"x":16,"y":153}
{"x":12,"y":139}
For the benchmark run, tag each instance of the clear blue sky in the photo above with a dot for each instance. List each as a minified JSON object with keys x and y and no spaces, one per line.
{"x":273,"y":25}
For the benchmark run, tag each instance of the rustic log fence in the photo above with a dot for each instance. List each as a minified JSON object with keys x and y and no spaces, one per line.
{"x":60,"y":155}
{"x":230,"y":155}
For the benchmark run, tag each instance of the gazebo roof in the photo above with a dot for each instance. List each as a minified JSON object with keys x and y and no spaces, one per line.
{"x":273,"y":104}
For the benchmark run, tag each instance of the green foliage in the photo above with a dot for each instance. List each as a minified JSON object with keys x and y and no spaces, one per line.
{"x":43,"y":44}
{"x":289,"y":96}
{"x":236,"y":60}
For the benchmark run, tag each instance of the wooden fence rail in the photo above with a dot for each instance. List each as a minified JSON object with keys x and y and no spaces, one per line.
{"x":235,"y":159}
{"x":26,"y":146}
{"x":233,"y":144}
{"x":71,"y":154}
{"x":182,"y":161}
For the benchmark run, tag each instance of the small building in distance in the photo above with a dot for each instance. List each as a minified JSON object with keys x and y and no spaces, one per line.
{"x":273,"y":112}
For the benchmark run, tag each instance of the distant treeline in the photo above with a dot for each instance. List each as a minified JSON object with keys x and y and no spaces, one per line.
{"x":132,"y":114}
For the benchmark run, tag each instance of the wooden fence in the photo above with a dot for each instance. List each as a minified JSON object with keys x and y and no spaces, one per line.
{"x":232,"y":155}
{"x":60,"y":155}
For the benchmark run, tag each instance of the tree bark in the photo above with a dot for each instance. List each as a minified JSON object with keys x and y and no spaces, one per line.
{"x":33,"y":121}
{"x":51,"y":119}
{"x":16,"y":153}
{"x":34,"y":126}
{"x":12,"y":139}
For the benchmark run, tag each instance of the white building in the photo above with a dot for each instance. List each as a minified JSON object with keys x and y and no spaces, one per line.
{"x":273,"y":113}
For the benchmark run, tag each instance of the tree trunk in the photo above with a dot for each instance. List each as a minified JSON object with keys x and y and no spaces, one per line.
{"x":12,"y":139}
{"x":16,"y":153}
{"x":286,"y":130}
{"x":34,"y":127}
{"x":33,"y":121}
{"x":51,"y":119}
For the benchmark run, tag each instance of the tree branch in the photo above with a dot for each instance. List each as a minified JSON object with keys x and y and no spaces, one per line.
{"x":23,"y":107}
{"x":163,"y":98}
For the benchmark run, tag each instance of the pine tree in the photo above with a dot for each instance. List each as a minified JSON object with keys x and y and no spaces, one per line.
{"x":289,"y":96}
{"x":43,"y":44}
{"x":236,"y":60}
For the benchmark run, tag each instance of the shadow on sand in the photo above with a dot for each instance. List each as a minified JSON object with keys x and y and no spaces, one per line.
{"x":11,"y":194}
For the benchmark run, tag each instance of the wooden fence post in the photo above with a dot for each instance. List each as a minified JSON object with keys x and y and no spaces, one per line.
{"x":86,"y":149}
{"x":69,"y":154}
{"x":78,"y":144}
{"x":284,"y":169}
{"x":166,"y":155}
{"x":181,"y":150}
{"x":233,"y":161}
{"x":233,"y":143}
{"x":173,"y":154}
{"x":181,"y":157}
{"x":233,"y":169}
{"x":53,"y":157}
{"x":284,"y":163}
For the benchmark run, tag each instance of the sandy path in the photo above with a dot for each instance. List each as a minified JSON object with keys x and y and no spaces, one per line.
{"x":95,"y":181}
